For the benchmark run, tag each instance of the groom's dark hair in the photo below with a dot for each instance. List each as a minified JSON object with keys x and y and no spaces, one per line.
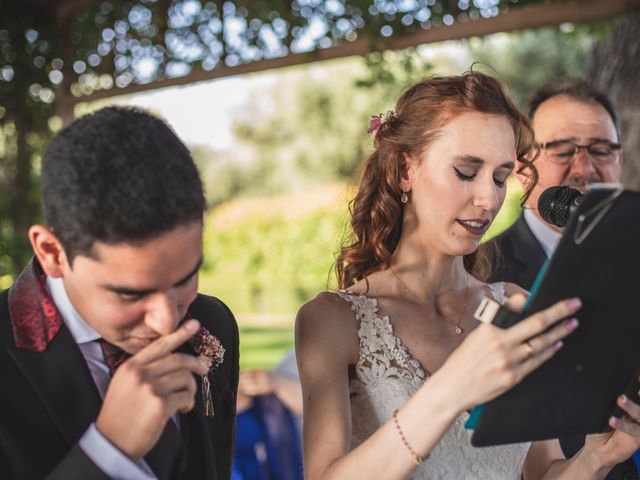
{"x":118,"y":175}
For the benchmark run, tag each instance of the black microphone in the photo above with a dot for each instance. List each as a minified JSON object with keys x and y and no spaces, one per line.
{"x":556,"y":204}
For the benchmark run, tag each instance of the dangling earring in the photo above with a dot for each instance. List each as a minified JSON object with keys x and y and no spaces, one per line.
{"x":404,"y":197}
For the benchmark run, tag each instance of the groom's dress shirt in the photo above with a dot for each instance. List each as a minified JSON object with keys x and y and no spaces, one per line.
{"x":103,"y":453}
{"x":546,"y":236}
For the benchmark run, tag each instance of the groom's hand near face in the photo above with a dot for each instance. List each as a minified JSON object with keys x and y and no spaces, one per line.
{"x":147,"y":390}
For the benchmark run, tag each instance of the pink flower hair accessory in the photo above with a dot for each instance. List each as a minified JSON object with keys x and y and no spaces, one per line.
{"x":378,"y":120}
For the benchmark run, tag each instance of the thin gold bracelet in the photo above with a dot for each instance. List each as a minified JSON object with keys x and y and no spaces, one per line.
{"x":416,"y":458}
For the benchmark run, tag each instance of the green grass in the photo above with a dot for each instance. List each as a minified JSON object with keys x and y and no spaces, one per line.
{"x":278,"y":296}
{"x":262,"y":346}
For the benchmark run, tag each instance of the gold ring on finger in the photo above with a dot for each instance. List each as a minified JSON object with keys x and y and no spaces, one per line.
{"x":530,"y":350}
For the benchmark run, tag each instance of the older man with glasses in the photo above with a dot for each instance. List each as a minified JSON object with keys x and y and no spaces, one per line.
{"x":576,"y":129}
{"x":577,"y":132}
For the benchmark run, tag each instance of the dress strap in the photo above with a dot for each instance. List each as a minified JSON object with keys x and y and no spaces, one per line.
{"x":498,"y":292}
{"x":380,"y":348}
{"x":365,"y":308}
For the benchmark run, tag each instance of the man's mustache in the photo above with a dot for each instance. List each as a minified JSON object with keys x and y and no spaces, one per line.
{"x":581,"y":182}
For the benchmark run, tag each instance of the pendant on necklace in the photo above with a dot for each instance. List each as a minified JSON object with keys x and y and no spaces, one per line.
{"x":458,"y":330}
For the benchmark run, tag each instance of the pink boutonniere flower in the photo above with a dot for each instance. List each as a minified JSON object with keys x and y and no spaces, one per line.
{"x":211,"y":353}
{"x":209,"y":349}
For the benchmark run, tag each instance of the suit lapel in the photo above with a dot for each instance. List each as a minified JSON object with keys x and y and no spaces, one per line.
{"x":48,"y":356}
{"x":63,"y":382}
{"x":527,"y":252}
{"x":200,"y":459}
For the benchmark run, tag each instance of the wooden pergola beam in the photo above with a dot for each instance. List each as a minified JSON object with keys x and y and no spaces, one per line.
{"x":517,"y":18}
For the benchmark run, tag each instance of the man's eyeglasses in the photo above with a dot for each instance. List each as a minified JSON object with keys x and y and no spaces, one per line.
{"x":562,"y":152}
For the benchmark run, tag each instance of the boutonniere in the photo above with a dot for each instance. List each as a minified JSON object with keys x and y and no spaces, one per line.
{"x":211,"y":353}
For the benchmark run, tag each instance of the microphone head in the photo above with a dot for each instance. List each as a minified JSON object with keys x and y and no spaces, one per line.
{"x":554,"y":204}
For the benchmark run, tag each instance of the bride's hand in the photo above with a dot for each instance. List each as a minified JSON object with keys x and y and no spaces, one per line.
{"x":492,"y":360}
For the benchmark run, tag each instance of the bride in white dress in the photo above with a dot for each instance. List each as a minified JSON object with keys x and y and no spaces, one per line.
{"x":391,"y":363}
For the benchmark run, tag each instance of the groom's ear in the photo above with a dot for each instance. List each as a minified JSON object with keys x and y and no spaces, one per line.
{"x":48,"y":250}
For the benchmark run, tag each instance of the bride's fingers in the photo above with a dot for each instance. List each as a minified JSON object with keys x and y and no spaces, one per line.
{"x":526,"y":351}
{"x":537,"y":323}
{"x":516,"y":302}
{"x":537,"y":344}
{"x":537,"y":359}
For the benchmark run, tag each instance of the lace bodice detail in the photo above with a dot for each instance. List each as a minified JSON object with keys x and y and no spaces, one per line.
{"x":386,"y":376}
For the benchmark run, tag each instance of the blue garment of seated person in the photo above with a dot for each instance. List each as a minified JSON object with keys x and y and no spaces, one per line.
{"x":267,"y":443}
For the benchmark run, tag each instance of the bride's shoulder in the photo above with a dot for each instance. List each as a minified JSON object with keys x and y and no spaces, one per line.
{"x":326,"y":334}
{"x":334,"y":311}
{"x":326,"y":305}
{"x":329,"y":315}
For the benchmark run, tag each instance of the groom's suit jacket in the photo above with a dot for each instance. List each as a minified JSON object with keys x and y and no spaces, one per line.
{"x":521,"y":258}
{"x":521,"y":255}
{"x":48,"y":398}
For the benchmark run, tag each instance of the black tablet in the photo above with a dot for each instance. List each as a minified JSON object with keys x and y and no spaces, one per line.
{"x":574,"y":393}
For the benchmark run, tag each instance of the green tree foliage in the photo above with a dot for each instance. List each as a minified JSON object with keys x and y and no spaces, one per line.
{"x":225,"y":177}
{"x":526,"y":60}
{"x":388,"y":72}
{"x":317,"y":129}
{"x":271,"y":254}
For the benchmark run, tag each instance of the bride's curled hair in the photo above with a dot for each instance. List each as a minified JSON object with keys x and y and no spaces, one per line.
{"x":376,"y":210}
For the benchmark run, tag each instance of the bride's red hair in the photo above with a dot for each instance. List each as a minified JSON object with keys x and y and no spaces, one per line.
{"x":376,"y":210}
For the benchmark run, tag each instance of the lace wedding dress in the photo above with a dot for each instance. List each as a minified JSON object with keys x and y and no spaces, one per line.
{"x":386,"y":376}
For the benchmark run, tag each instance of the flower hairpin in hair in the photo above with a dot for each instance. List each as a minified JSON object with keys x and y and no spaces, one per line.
{"x":378,"y":120}
{"x":211,"y":354}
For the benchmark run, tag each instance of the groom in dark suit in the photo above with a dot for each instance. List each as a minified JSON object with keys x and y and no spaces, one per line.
{"x":112,"y":365}
{"x":577,"y":131}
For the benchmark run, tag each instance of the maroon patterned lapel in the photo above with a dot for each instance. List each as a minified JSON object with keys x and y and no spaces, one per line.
{"x":34,"y":316}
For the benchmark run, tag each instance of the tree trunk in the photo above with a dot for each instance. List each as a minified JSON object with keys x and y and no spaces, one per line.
{"x":21,"y":186}
{"x":64,"y":101}
{"x":614,"y":68}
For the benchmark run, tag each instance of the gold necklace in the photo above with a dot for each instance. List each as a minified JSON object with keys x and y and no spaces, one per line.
{"x":459,"y":329}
